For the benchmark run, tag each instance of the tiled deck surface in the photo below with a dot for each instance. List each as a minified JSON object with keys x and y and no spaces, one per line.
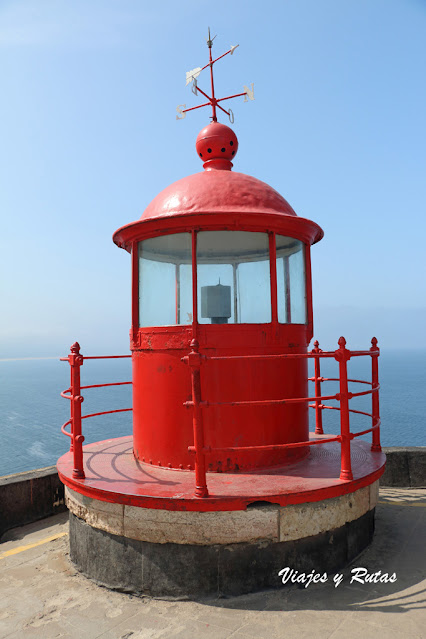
{"x":42,"y":596}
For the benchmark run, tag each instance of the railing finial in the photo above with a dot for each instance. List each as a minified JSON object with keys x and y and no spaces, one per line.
{"x":75,"y":348}
{"x":342,"y":342}
{"x":374,"y":346}
{"x":316,"y":343}
{"x":194,"y":344}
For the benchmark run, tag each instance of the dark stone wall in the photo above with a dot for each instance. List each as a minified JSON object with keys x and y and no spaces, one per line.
{"x":192,"y":571}
{"x":26,"y":497}
{"x":405,"y":467}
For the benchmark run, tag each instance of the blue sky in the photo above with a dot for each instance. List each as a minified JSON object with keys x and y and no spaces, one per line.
{"x":89,"y":137}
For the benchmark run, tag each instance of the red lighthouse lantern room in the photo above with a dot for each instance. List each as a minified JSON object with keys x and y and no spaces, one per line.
{"x":221,"y":474}
{"x":221,"y":266}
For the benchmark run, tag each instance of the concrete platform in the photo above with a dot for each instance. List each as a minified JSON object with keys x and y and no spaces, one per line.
{"x":42,"y":595}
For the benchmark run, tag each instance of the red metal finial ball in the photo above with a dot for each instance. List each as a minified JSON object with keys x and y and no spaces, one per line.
{"x":374,"y":341}
{"x":75,"y":348}
{"x":216,"y":146}
{"x":316,"y":343}
{"x":342,"y":342}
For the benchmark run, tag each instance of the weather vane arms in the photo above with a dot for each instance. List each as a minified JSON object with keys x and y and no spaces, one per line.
{"x":191,"y":77}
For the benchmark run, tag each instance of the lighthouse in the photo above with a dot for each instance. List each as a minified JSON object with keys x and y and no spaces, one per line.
{"x":221,"y":485}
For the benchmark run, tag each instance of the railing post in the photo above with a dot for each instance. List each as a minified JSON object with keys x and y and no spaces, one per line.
{"x":342,"y":355}
{"x":375,"y":352}
{"x":76,"y":361}
{"x":194,"y":361}
{"x":318,"y":405}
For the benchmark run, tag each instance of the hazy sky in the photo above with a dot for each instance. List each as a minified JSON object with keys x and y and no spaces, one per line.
{"x":89,"y":137}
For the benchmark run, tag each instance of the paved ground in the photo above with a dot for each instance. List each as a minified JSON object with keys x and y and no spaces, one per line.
{"x":42,"y":596}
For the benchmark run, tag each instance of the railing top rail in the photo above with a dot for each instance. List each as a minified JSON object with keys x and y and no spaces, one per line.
{"x":308,"y":355}
{"x":360,"y":353}
{"x":274,"y":356}
{"x":105,"y":356}
{"x":65,"y":359}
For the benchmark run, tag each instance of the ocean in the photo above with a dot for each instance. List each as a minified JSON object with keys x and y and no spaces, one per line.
{"x":32,"y":411}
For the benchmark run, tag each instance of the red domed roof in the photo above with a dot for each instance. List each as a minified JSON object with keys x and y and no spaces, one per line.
{"x":217,"y":191}
{"x":217,"y":197}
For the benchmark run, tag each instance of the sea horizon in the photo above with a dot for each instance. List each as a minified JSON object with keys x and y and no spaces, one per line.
{"x":32,"y":411}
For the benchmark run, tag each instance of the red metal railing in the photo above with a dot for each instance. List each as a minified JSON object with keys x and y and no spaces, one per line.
{"x":194,"y":360}
{"x":342,"y":355}
{"x":73,"y":393}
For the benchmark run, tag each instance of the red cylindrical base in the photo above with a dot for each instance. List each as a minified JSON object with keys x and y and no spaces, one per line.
{"x":162,"y":426}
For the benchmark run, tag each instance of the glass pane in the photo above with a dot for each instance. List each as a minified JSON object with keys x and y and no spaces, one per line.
{"x":254,"y":292}
{"x":165,"y":280}
{"x":291,"y":280}
{"x":233,"y":277}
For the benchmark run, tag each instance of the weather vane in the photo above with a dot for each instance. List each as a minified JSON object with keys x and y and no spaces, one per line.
{"x":191,"y":76}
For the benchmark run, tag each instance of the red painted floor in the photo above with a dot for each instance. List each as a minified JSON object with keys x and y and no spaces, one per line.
{"x":114,"y":475}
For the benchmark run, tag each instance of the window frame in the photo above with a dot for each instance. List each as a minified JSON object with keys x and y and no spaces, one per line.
{"x":135,"y":315}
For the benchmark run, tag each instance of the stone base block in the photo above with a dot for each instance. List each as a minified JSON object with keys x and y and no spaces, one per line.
{"x":191,"y":554}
